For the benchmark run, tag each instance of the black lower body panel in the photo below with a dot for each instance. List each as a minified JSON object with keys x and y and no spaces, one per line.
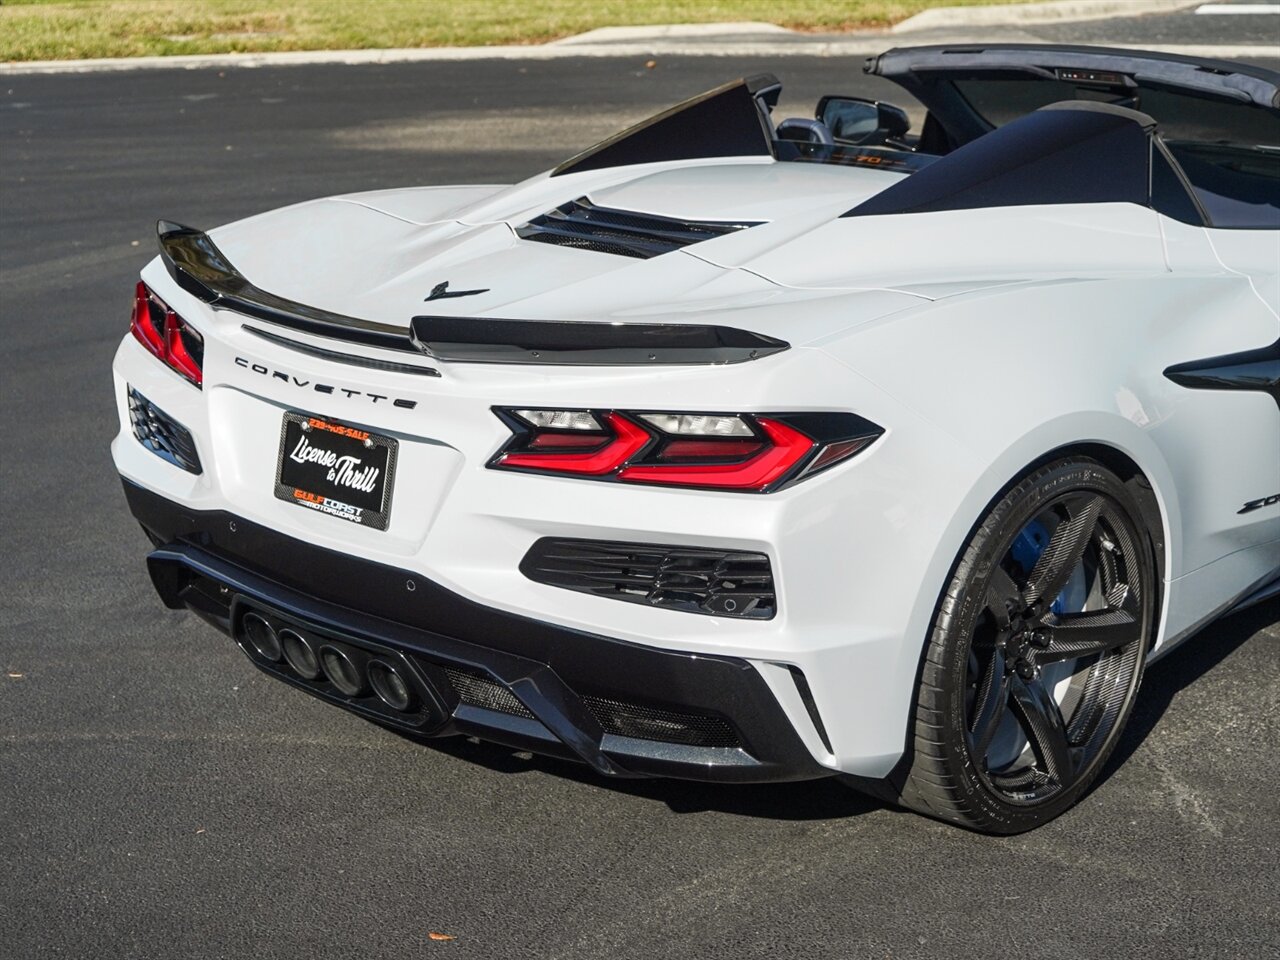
{"x":469,"y":669}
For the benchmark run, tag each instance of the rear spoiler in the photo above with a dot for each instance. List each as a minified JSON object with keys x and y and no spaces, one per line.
{"x":565,"y":342}
{"x":197,"y":265}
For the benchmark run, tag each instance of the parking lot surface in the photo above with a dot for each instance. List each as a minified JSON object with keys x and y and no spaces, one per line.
{"x":160,"y":798}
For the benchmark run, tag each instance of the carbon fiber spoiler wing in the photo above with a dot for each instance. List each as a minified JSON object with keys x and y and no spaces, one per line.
{"x":197,"y":265}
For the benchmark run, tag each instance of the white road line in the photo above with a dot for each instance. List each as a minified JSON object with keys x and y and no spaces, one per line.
{"x":1248,"y":8}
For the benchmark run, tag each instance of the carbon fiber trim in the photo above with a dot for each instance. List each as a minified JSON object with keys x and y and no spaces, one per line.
{"x":584,"y":343}
{"x":1257,"y":370}
{"x":335,"y":356}
{"x":618,"y":717}
{"x":200,"y":268}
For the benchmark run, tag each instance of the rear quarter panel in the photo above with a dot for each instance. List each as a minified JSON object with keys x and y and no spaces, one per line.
{"x":1015,"y":372}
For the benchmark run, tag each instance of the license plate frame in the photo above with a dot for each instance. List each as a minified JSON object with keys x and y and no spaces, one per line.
{"x":324,"y":465}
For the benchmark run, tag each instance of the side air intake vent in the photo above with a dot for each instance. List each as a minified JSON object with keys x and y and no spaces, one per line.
{"x":693,"y":579}
{"x":580,"y":223}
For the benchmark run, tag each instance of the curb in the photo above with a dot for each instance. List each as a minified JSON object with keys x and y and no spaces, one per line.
{"x":1055,"y":11}
{"x":821,"y":49}
{"x":744,"y":39}
{"x":678,"y":30}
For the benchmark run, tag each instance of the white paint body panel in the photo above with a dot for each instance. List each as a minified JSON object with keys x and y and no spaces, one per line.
{"x":981,"y":340}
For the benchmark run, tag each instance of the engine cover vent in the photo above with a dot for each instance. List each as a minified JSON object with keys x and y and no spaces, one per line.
{"x":580,"y":223}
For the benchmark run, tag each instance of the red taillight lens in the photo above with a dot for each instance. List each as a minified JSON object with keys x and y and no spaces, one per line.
{"x":185,"y":348}
{"x":626,"y":442}
{"x":143,"y":324}
{"x":686,"y":451}
{"x":166,"y":334}
{"x":716,"y":451}
{"x":786,"y":448}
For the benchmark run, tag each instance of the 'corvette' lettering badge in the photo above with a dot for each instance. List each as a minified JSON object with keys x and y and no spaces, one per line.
{"x":326,"y":388}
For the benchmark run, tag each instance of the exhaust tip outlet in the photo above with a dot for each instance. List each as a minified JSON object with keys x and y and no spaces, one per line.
{"x":390,"y":686}
{"x":300,"y":654}
{"x":341,"y":671}
{"x":262,"y":637}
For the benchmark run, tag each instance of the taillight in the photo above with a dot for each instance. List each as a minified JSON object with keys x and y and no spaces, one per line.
{"x":166,"y":334}
{"x":144,"y":324}
{"x":607,"y":448}
{"x":746,"y":452}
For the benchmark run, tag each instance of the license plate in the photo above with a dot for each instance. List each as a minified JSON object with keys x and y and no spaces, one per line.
{"x":336,"y":469}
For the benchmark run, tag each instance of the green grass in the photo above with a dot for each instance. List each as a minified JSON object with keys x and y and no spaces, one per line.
{"x":68,"y":29}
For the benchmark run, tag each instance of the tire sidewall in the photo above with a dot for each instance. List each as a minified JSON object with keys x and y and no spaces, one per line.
{"x":968,"y":584}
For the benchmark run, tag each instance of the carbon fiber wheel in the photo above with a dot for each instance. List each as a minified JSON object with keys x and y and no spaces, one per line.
{"x":1036,"y":653}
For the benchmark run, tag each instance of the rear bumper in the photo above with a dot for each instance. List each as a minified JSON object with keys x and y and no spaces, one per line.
{"x":533,"y":685}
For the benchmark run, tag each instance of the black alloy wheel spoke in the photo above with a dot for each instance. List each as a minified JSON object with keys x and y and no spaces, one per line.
{"x":993,"y":698}
{"x":1041,"y":721}
{"x":1074,"y":635}
{"x":1056,"y":612}
{"x":1003,"y":597}
{"x":1063,"y":553}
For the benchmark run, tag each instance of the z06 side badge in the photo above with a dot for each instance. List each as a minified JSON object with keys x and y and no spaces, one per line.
{"x":1259,"y":504}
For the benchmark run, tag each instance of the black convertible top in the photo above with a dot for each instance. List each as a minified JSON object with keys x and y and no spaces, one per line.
{"x":919,"y":68}
{"x":946,"y":79}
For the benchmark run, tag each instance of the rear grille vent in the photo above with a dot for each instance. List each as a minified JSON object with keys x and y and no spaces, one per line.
{"x":582,"y":224}
{"x":693,"y":579}
{"x":161,"y":434}
{"x":477,"y":690}
{"x":664,"y":726}
{"x":614,"y":716}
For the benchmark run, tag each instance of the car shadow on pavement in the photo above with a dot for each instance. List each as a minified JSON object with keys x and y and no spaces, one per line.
{"x":829,"y":798}
{"x":823,"y":799}
{"x":1168,"y":677}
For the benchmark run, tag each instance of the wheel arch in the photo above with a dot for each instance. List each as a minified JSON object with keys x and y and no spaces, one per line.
{"x":1133,"y":458}
{"x":1152,"y":513}
{"x":1115,"y":442}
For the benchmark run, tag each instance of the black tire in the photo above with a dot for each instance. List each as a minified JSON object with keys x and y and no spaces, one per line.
{"x":1002,"y":665}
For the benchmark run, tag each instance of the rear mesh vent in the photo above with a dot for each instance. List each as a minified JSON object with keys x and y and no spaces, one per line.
{"x":580,"y":223}
{"x":665,"y":726}
{"x":478,"y":690}
{"x":693,"y":579}
{"x":614,"y":716}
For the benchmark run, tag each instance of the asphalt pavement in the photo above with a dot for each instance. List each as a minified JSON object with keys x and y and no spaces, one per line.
{"x":161,"y":798}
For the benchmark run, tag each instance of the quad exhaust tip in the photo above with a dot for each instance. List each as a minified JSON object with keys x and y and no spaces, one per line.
{"x":341,"y":671}
{"x":338,"y":669}
{"x":298,"y":653}
{"x":391,"y":688}
{"x":263,"y":637}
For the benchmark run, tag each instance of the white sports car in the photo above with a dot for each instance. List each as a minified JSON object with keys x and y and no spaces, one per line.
{"x":741,"y":449}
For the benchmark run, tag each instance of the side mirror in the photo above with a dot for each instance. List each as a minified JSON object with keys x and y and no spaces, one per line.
{"x":855,"y":120}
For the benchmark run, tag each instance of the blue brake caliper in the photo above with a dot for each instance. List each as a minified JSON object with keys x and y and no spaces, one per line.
{"x":1027,"y":547}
